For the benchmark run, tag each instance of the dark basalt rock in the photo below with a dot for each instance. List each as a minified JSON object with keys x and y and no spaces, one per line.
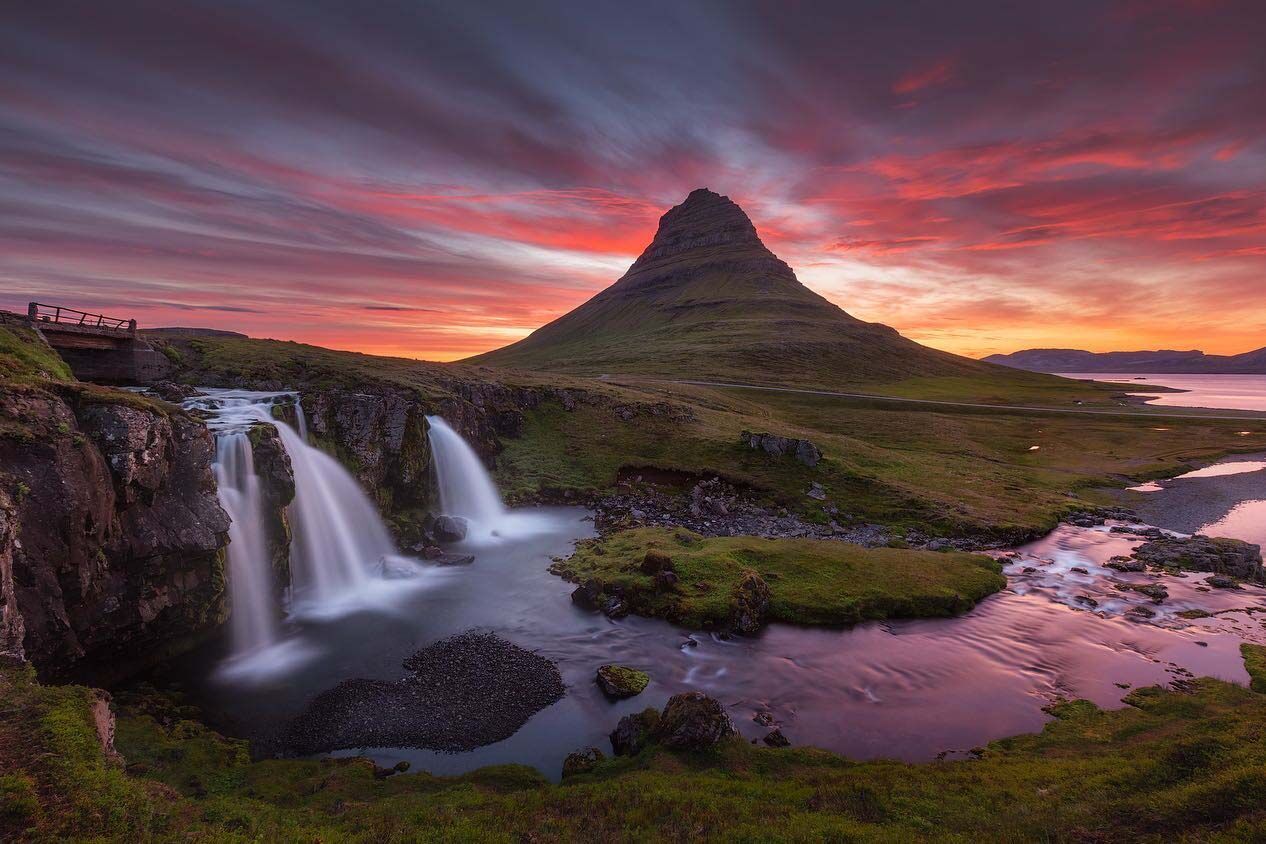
{"x":582,"y":761}
{"x":775,"y":738}
{"x":618,"y":681}
{"x":1155,"y":591}
{"x":750,"y":606}
{"x":693,"y":721}
{"x":1221,"y":581}
{"x":450,"y":528}
{"x":463,"y":692}
{"x":587,"y":595}
{"x":1126,"y":564}
{"x":1231,"y":557}
{"x":803,"y":450}
{"x":634,"y":732}
{"x":112,"y":551}
{"x":172,"y":392}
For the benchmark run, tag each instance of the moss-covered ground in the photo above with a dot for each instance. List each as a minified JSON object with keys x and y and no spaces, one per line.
{"x":1170,"y":766}
{"x":810,"y":581}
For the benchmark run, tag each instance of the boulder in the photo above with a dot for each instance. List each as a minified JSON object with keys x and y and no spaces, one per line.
{"x":1155,"y":591}
{"x":1126,"y":564}
{"x":634,"y":732}
{"x":450,"y":528}
{"x":172,"y":392}
{"x":775,"y":738}
{"x":803,"y":450}
{"x":615,"y":607}
{"x":587,"y":595}
{"x":750,"y":604}
{"x":618,"y":681}
{"x":1221,"y":581}
{"x":656,"y":561}
{"x":1231,"y":557}
{"x":665,"y":581}
{"x":582,"y":761}
{"x":693,"y":721}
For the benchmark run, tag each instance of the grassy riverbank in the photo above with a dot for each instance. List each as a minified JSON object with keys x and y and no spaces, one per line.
{"x":1171,"y":766}
{"x":809,"y":581}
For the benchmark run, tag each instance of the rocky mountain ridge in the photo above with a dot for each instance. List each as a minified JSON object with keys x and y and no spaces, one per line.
{"x":1169,"y":361}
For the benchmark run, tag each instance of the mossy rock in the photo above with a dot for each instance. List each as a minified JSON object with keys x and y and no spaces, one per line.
{"x":618,"y":681}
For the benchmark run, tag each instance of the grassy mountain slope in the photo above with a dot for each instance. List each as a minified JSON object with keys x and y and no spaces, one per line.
{"x":708,"y":300}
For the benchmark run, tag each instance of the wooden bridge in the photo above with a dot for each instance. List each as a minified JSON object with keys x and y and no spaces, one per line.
{"x":98,"y":347}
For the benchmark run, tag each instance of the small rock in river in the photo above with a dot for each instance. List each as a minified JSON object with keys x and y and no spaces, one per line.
{"x":775,"y":738}
{"x":582,"y":761}
{"x":618,"y":681}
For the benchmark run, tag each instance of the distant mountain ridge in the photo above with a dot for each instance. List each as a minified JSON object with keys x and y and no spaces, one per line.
{"x":1170,"y":361}
{"x":708,"y":300}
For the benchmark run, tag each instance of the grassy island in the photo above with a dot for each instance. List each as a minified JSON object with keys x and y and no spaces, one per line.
{"x":809,"y":581}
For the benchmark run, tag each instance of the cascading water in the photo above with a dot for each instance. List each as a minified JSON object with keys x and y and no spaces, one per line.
{"x":338,"y":544}
{"x":254,"y":622}
{"x":466,"y":490}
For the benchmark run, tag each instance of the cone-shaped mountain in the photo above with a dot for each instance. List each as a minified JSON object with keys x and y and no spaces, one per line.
{"x":708,"y":300}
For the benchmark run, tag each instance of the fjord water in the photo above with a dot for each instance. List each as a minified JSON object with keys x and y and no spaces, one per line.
{"x":1228,"y":392}
{"x":905,"y":689}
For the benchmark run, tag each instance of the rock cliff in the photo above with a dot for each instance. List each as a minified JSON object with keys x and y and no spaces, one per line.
{"x":111,"y":537}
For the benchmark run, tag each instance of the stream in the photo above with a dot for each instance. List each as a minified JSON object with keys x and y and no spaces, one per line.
{"x":912,"y":690}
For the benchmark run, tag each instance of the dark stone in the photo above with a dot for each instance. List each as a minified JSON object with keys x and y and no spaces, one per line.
{"x":1145,"y":612}
{"x":634,"y":732}
{"x":615,"y":607}
{"x":587,"y":595}
{"x":656,"y":561}
{"x":582,"y":761}
{"x":1086,"y":601}
{"x":1080,"y":569}
{"x":1126,"y":564}
{"x":750,"y":605}
{"x":618,"y":681}
{"x":463,"y":692}
{"x":1221,"y":581}
{"x":665,"y":581}
{"x":1231,"y":557}
{"x":775,"y":738}
{"x":1155,"y":591}
{"x":803,"y":450}
{"x":450,"y":528}
{"x":693,"y":721}
{"x":449,"y":558}
{"x":172,"y":392}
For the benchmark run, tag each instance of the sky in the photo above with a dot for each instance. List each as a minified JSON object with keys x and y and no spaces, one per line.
{"x":434,"y":180}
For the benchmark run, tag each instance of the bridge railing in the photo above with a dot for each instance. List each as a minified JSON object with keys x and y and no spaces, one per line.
{"x":60,"y":315}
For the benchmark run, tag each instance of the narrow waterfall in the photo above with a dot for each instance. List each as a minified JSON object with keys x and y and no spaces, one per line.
{"x":338,"y":534}
{"x":466,"y":488}
{"x":301,"y":419}
{"x":254,"y":622}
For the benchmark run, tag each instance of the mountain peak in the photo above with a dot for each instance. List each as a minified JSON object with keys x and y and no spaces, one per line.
{"x":704,"y":220}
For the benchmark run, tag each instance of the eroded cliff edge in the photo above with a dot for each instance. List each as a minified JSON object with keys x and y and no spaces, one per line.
{"x":112,"y":540}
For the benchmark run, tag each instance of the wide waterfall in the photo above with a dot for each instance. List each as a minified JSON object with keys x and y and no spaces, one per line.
{"x":340,"y":550}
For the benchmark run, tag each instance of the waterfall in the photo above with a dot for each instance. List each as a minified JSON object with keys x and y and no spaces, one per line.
{"x":338,"y":534}
{"x":338,"y":539}
{"x":253,"y":624}
{"x":466,"y":488}
{"x":301,"y":419}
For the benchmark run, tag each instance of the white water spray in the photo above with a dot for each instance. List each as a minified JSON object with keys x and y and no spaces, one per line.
{"x":466,"y":490}
{"x":254,"y":622}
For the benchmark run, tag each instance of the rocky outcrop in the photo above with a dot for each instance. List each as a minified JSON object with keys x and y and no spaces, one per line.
{"x":381,"y":438}
{"x":803,"y":450}
{"x":582,"y":761}
{"x":634,"y":732}
{"x":116,"y":536}
{"x":693,"y":721}
{"x":1231,"y":557}
{"x":750,"y":605}
{"x":12,"y":629}
{"x":277,"y":490}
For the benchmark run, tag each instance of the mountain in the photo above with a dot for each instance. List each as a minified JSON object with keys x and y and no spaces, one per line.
{"x":708,"y":300}
{"x":1162,"y":361}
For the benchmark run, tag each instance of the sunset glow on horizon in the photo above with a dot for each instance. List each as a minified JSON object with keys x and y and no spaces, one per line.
{"x":435,"y":182}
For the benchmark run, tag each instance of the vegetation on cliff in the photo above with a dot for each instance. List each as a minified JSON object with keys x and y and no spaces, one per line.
{"x":1170,"y":766}
{"x":809,"y":581}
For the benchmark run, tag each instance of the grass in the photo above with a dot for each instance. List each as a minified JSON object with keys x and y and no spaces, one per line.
{"x":810,"y":581}
{"x":26,"y":360}
{"x":943,"y":470}
{"x":1170,"y":766}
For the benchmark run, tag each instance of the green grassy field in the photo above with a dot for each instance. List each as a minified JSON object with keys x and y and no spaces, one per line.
{"x":810,"y":581}
{"x":1170,"y":766}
